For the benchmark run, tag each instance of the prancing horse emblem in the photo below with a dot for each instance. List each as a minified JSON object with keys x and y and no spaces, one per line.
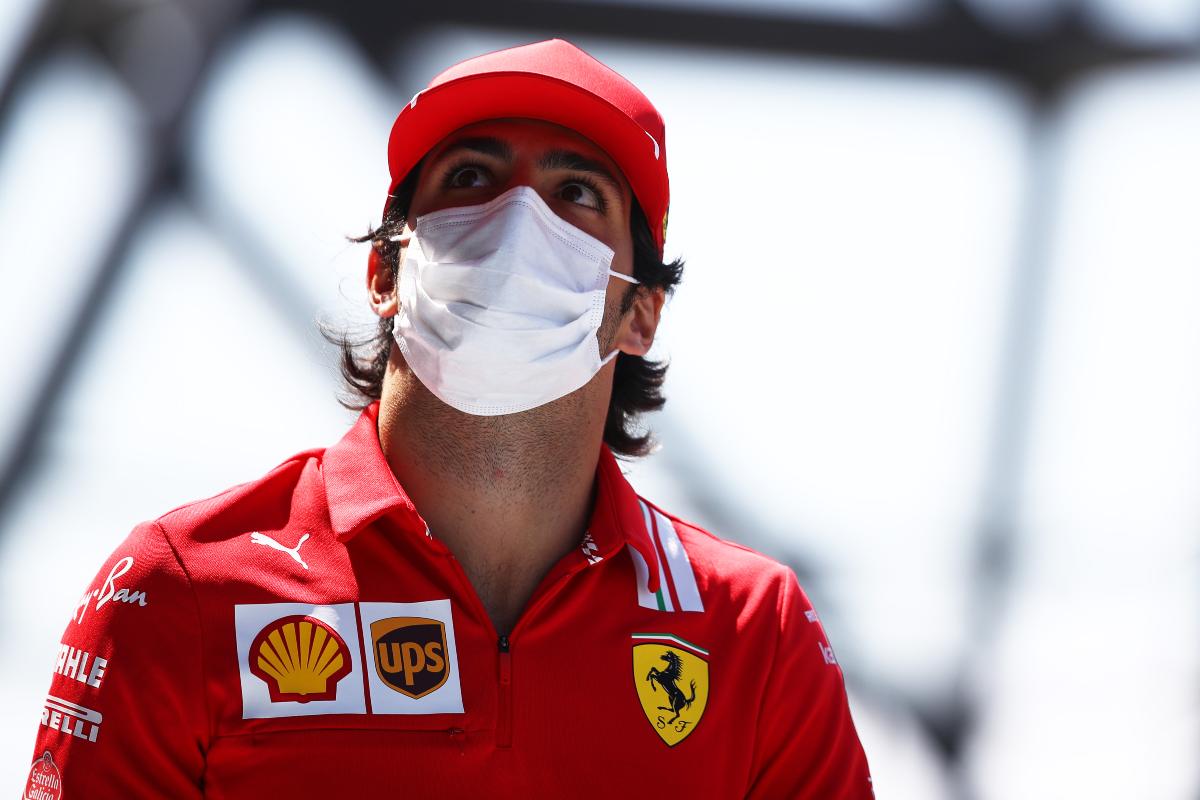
{"x":671,"y":678}
{"x":668,"y":679}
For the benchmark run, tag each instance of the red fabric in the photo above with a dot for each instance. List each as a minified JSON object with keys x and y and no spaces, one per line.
{"x":556,"y":714}
{"x":552,"y":81}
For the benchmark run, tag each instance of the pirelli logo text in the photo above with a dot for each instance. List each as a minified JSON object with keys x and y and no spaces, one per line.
{"x":71,"y":719}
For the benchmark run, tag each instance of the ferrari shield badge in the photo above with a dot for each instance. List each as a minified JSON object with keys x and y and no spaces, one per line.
{"x":671,"y":677}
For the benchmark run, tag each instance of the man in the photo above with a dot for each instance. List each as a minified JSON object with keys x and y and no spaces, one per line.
{"x":464,"y":596}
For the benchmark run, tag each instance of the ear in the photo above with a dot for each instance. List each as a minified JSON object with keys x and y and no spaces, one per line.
{"x":637,"y":329}
{"x":381,"y":288}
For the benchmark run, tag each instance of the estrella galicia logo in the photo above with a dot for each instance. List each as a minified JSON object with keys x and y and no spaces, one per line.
{"x":671,"y":682}
{"x":410,"y":654}
{"x":45,"y":780}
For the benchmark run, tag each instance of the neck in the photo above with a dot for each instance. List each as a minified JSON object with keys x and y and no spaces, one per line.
{"x":508,"y":495}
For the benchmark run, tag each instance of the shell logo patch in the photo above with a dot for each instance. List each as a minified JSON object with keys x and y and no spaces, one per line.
{"x":671,"y":678}
{"x":300,"y":658}
{"x":410,"y":654}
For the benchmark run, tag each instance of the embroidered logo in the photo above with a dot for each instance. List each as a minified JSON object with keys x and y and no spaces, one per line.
{"x":671,"y":678}
{"x":294,"y":552}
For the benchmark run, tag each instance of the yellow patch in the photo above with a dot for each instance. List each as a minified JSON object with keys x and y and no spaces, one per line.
{"x":672,"y":685}
{"x":300,"y":658}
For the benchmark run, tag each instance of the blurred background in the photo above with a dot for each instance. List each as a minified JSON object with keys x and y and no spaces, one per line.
{"x":937,"y":345}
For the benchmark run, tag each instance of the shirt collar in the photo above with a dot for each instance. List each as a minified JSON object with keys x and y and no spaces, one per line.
{"x":617,"y":516}
{"x":360,"y":487}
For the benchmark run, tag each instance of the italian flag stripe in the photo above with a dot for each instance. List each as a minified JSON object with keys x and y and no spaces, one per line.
{"x":662,"y":558}
{"x":670,"y":638}
{"x":684,"y":591}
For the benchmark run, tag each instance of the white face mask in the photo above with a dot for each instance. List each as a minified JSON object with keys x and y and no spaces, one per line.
{"x":500,"y":304}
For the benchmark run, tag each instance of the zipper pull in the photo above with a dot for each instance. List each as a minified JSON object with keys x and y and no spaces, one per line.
{"x":504,"y":700}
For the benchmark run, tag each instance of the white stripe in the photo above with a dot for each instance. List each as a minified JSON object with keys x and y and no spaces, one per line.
{"x":662,"y":570}
{"x":71,"y":709}
{"x":642,"y":573}
{"x":659,"y":637}
{"x":655,"y":143}
{"x":681,"y":566}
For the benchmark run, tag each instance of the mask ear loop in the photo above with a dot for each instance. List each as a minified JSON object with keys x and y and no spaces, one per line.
{"x":630,"y":279}
{"x":609,"y":357}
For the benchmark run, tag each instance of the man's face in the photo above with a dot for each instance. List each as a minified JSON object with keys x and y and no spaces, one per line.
{"x":573,"y":176}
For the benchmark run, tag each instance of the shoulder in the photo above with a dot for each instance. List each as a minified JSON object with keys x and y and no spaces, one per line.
{"x":205,"y":542}
{"x":262,"y":502}
{"x":159,"y":557}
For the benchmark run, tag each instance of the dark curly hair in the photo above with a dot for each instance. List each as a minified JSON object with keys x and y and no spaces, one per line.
{"x":637,"y":381}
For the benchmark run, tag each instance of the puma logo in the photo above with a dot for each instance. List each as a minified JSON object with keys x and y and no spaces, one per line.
{"x":294,"y":552}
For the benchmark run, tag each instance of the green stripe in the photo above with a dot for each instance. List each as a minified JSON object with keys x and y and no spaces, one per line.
{"x":658,"y":596}
{"x":672,"y":637}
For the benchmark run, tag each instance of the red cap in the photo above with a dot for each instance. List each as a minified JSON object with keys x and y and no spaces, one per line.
{"x":553,"y":81}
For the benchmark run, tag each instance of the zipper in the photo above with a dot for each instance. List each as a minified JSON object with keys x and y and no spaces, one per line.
{"x":504,"y":645}
{"x":504,"y":685}
{"x":504,"y":702}
{"x":503,"y":641}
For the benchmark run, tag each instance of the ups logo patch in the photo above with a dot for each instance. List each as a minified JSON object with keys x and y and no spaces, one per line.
{"x":410,"y":654}
{"x":671,"y":677}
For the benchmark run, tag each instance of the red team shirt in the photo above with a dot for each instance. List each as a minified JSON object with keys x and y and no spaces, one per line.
{"x":303,"y":635}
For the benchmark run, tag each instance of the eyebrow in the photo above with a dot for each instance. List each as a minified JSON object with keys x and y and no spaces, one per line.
{"x":484,"y":145}
{"x":554,"y":159}
{"x":570,"y":160}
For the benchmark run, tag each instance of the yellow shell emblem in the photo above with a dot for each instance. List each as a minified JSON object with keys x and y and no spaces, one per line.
{"x":671,"y":677}
{"x":300,"y":658}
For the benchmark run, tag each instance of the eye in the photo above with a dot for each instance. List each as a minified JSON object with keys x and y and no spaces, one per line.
{"x":582,"y":193}
{"x":467,"y":176}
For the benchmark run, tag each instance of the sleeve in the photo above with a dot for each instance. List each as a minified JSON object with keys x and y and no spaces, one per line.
{"x":805,"y":743}
{"x":125,"y":715}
